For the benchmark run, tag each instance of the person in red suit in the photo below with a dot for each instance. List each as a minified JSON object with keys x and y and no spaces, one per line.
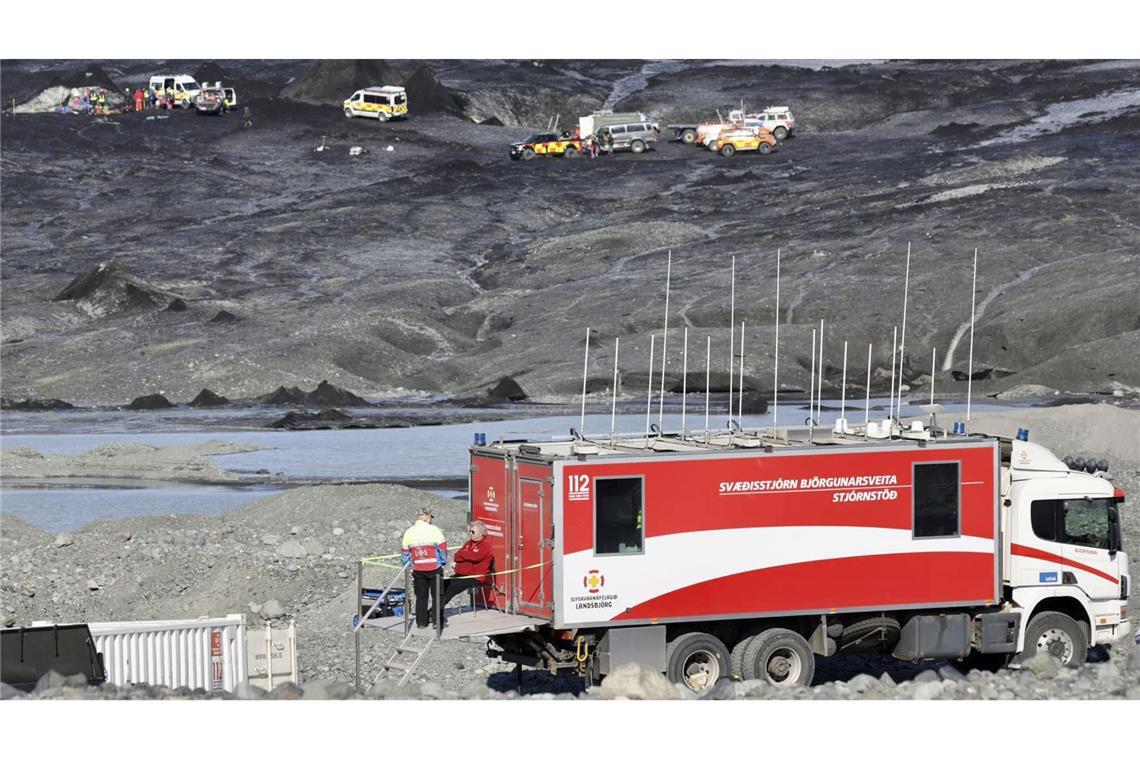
{"x":472,"y":564}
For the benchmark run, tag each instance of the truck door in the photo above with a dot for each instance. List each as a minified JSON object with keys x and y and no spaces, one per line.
{"x":1084,"y":530}
{"x":533,"y":547}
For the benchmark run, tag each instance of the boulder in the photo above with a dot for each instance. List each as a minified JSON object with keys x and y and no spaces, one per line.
{"x":10,"y":692}
{"x":224,"y":317}
{"x":753,"y":403}
{"x":176,"y":305}
{"x":292,"y":549}
{"x":297,"y":420}
{"x":247,"y":691}
{"x":64,"y":539}
{"x":506,"y":390}
{"x":207,"y":398}
{"x":151,"y":401}
{"x":108,"y":288}
{"x":34,"y":404}
{"x":636,"y":681}
{"x":287,"y":690}
{"x":928,"y":690}
{"x":427,"y":95}
{"x":326,"y":690}
{"x":271,"y":610}
{"x":1043,"y":665}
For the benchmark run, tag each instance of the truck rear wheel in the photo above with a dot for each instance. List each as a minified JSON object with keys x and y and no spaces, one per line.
{"x":736,"y":658}
{"x":727,"y":151}
{"x":381,"y":117}
{"x":637,"y":146}
{"x":780,"y":133}
{"x":696,"y":661}
{"x":779,"y":656}
{"x":570,"y":153}
{"x":688,"y":136}
{"x":1059,"y":635}
{"x":527,"y":154}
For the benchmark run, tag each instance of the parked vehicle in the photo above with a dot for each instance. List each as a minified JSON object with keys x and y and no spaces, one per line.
{"x":776,"y":119}
{"x":636,"y":137}
{"x":211,"y":101}
{"x":231,"y":98}
{"x":779,"y":121}
{"x":745,"y":138}
{"x":380,"y":103}
{"x":185,"y":87}
{"x":746,"y":555}
{"x":589,"y":125}
{"x":546,"y":144}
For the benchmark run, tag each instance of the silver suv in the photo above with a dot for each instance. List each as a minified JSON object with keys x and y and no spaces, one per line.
{"x":634,"y":136}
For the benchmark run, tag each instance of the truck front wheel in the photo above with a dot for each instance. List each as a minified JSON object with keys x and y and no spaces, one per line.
{"x":1059,"y":635}
{"x":779,"y":656}
{"x":696,"y":661}
{"x":688,"y":136}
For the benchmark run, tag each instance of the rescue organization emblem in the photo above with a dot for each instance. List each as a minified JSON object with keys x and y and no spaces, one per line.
{"x":593,"y":581}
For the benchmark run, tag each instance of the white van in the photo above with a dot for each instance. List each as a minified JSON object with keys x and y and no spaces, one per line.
{"x":381,"y":103}
{"x":184,"y":86}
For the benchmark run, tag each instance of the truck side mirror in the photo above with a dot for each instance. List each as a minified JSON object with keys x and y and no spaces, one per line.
{"x":1114,"y":538}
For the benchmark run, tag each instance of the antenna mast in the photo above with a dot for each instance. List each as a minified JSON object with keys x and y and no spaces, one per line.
{"x":776,"y":349}
{"x":731,"y":335}
{"x":585,"y":369}
{"x":811,"y":388}
{"x":970,"y":366}
{"x":867,"y":400}
{"x":843,"y":394}
{"x":708,"y":366}
{"x":740,"y":385}
{"x":613,"y":404}
{"x":894,"y":356}
{"x":819,"y":378}
{"x":902,"y":336}
{"x":649,"y":389}
{"x":684,"y":381}
{"x":664,"y":342}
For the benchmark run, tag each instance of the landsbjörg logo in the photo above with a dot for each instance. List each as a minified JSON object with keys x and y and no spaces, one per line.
{"x":593,"y":581}
{"x":491,"y":494}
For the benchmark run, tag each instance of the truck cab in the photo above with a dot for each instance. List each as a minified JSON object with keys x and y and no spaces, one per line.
{"x":1062,"y":552}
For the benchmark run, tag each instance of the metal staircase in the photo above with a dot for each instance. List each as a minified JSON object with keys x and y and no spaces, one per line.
{"x":404,"y":647}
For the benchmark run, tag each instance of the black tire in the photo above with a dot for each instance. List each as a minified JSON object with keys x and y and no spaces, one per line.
{"x":779,"y":656}
{"x":382,"y":117}
{"x":780,"y":133}
{"x":688,"y":136}
{"x":348,"y":113}
{"x":869,"y":634}
{"x":527,"y":154}
{"x":1057,"y":634}
{"x":736,"y":658}
{"x":727,"y":151}
{"x":570,"y":153}
{"x":764,"y":148}
{"x":637,"y":146}
{"x":696,"y":661}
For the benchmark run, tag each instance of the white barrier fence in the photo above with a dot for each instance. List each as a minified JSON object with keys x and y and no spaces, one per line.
{"x":215,"y":654}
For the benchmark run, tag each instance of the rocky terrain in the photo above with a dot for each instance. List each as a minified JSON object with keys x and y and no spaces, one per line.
{"x":245,"y":259}
{"x":293,"y":555}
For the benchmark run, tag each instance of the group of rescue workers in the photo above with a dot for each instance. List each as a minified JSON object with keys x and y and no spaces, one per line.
{"x":424,"y":549}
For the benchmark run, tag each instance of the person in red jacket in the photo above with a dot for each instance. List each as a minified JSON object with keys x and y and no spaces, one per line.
{"x":472,"y":564}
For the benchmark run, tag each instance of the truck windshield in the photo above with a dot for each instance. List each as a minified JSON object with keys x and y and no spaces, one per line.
{"x":1080,"y":522}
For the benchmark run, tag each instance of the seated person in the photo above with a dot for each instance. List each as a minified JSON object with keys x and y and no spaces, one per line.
{"x":472,"y":564}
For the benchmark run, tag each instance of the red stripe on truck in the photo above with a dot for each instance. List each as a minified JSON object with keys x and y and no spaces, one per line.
{"x":1028,"y":551}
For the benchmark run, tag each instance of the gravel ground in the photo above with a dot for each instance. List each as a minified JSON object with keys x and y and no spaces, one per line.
{"x":299,"y":548}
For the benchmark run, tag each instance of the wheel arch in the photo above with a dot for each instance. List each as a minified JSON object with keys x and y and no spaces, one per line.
{"x":1037,"y":600}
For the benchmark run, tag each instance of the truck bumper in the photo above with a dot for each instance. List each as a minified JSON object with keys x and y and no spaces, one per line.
{"x":1111,"y":634}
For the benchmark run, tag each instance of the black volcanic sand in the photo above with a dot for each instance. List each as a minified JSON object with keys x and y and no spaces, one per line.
{"x":442,"y":266}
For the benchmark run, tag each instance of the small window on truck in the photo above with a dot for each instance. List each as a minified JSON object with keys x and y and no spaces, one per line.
{"x":618,"y":525}
{"x":937,"y":500}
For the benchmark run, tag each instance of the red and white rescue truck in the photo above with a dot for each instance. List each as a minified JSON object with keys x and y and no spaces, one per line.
{"x":745,"y":554}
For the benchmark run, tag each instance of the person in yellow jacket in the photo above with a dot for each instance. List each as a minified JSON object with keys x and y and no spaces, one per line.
{"x":425,"y":549}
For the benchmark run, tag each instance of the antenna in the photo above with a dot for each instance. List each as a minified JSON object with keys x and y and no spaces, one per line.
{"x":585,"y":367}
{"x":708,"y":366}
{"x":933,"y":369}
{"x":902,"y":336}
{"x":613,"y":404}
{"x":731,"y":335}
{"x":684,"y":380}
{"x":740,"y":385}
{"x":867,"y":401}
{"x":819,"y":378}
{"x":664,"y":342}
{"x":970,"y":366}
{"x":649,"y":389}
{"x":894,"y":356}
{"x":776,"y":348}
{"x":811,"y":387}
{"x":843,"y":394}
